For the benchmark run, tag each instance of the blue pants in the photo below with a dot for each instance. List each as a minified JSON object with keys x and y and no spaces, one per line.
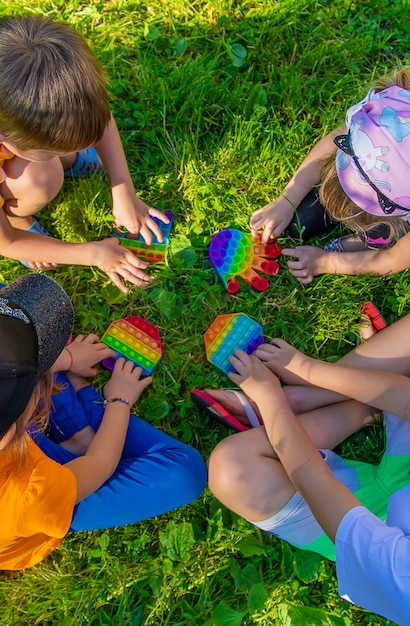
{"x":156,"y":473}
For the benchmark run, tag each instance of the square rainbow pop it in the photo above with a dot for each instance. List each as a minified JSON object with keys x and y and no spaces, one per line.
{"x":136,"y":340}
{"x":155,"y":253}
{"x":227,"y":333}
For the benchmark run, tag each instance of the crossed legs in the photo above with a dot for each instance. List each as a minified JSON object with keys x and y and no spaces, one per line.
{"x":244,"y":473}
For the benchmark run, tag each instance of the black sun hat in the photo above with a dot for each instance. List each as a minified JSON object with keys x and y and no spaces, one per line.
{"x":36,"y":320}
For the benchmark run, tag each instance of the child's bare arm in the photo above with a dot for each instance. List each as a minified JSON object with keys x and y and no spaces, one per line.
{"x":116,"y":261}
{"x":130,"y":212}
{"x":384,"y":390}
{"x":302,"y":462}
{"x":105,"y":449}
{"x":310,"y":261}
{"x":275,"y":216}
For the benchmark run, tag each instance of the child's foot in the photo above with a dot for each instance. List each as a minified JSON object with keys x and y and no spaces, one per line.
{"x":230,"y":407}
{"x":347,"y":243}
{"x":36,"y":227}
{"x":372,"y":321}
{"x":86,"y":163}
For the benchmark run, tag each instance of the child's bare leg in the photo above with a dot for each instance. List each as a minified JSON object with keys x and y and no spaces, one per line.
{"x":244,"y":473}
{"x":29,"y":186}
{"x":387,"y":350}
{"x":301,"y":398}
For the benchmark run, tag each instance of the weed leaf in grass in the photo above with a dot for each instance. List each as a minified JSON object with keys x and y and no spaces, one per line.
{"x":177,"y":540}
{"x":302,"y":615}
{"x":151,"y":33}
{"x":182,"y":251}
{"x":237,"y":54}
{"x":307,"y":565}
{"x":256,"y":598}
{"x":180,"y":46}
{"x":155,"y":408}
{"x":287,"y":561}
{"x":224,"y":20}
{"x":166,"y":302}
{"x":225,"y":616}
{"x":251,"y":546}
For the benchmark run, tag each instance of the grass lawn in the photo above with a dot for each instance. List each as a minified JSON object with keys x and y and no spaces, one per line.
{"x":217,"y":103}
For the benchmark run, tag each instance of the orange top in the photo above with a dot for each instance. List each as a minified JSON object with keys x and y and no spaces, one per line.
{"x":36,"y":507}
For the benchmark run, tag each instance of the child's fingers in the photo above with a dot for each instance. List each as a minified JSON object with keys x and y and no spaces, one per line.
{"x":149,"y":228}
{"x":91,"y":339}
{"x":135,"y":276}
{"x":264,"y":349}
{"x":290,"y":252}
{"x":146,"y":234}
{"x":159,"y":214}
{"x":240,"y":361}
{"x":131,"y":259}
{"x":117,"y":281}
{"x":145,"y":382}
{"x":78,"y":339}
{"x":304,"y":276}
{"x":104,"y":352}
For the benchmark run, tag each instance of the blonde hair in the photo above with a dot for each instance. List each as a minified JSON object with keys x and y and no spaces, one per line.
{"x":37,"y":412}
{"x":334,"y":199}
{"x":53,"y":89}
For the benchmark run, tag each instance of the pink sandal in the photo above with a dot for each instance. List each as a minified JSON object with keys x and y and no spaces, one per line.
{"x":215,"y":410}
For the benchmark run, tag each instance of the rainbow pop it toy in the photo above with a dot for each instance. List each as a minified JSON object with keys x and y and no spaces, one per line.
{"x":227,"y":333}
{"x":233,"y":253}
{"x":155,"y":253}
{"x":136,"y":340}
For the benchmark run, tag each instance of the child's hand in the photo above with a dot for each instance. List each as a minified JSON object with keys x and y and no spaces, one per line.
{"x":117,"y":261}
{"x":136,"y":217}
{"x":279,"y":356}
{"x":311,"y":261}
{"x":273,"y":218}
{"x":85,"y":353}
{"x":126,"y":382}
{"x":252,"y":376}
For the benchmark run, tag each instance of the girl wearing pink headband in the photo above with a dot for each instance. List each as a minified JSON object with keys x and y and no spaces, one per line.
{"x":364,"y":187}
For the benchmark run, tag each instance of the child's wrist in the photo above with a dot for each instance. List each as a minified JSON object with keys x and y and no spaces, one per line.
{"x":71,"y":360}
{"x":120,"y":399}
{"x":288,"y":201}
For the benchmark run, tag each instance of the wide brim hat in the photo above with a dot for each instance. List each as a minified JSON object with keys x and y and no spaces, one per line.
{"x":373,"y":159}
{"x":36,"y":321}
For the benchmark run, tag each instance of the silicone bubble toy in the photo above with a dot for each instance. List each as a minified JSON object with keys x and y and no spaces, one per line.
{"x":155,"y":253}
{"x":136,"y":340}
{"x":233,"y":253}
{"x":227,"y":333}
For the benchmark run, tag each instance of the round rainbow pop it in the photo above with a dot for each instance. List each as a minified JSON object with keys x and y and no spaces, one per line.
{"x":136,"y":340}
{"x":227,"y":333}
{"x":234,"y":253}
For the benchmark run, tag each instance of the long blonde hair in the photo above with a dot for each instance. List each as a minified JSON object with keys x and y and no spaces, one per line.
{"x":334,"y":199}
{"x":36,"y":412}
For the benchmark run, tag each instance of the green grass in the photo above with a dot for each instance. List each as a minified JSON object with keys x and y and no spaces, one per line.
{"x":210,"y":141}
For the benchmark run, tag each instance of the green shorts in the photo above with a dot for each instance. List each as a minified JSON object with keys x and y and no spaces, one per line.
{"x":373,"y":485}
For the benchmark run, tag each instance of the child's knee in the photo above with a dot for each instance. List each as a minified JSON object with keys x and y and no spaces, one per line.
{"x":31,"y":184}
{"x":226,"y":468}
